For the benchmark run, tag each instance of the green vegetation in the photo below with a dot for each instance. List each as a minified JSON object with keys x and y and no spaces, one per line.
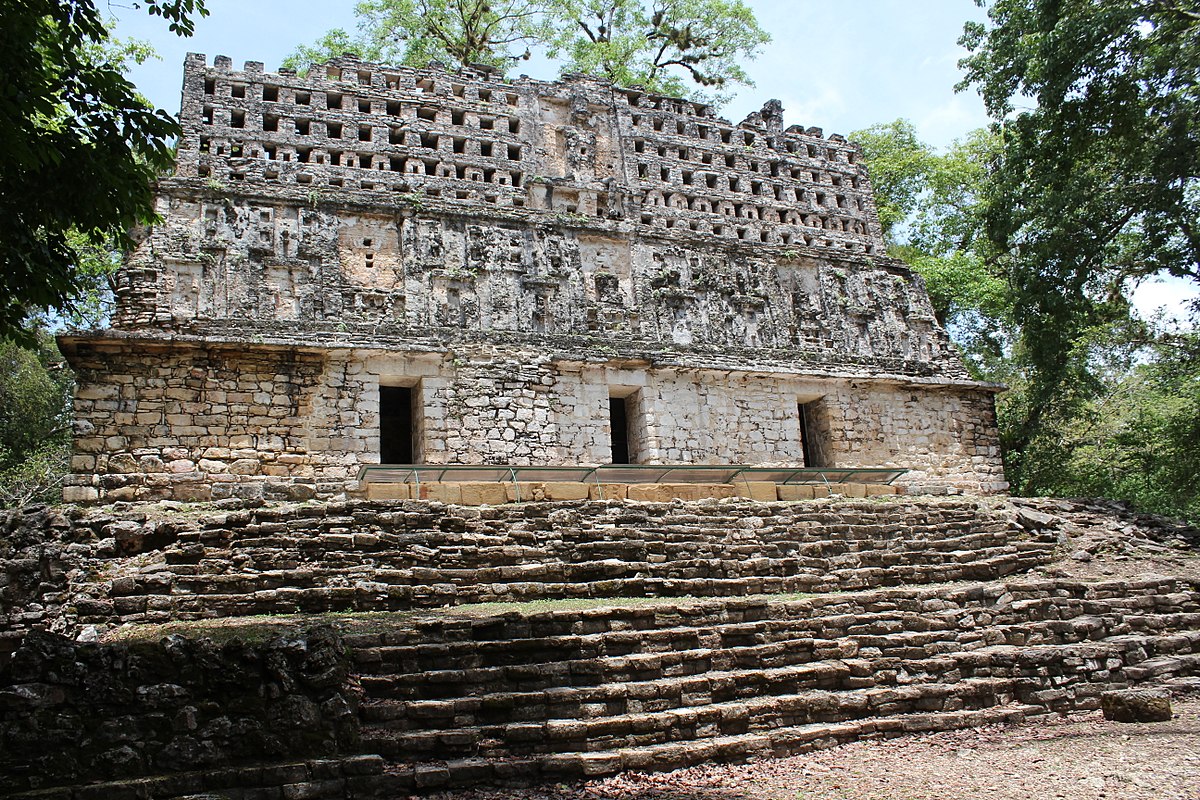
{"x":684,"y":48}
{"x":79,"y":148}
{"x":1033,"y":234}
{"x":35,"y":402}
{"x":417,"y":32}
{"x":690,"y":48}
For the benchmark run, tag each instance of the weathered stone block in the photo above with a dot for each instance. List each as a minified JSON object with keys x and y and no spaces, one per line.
{"x":1136,"y":705}
{"x":80,"y":494}
{"x":191,"y":492}
{"x":450,"y":493}
{"x":525,"y":491}
{"x":608,"y":491}
{"x":563,"y":490}
{"x":797,"y":491}
{"x":482,"y":493}
{"x":762,"y":491}
{"x":647,"y":493}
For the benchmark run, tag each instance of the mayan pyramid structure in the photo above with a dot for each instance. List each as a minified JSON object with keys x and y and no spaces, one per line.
{"x":369,"y":265}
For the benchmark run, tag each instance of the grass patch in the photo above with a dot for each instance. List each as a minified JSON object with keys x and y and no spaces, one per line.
{"x":261,"y":628}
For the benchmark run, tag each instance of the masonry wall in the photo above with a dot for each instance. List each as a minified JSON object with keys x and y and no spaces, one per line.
{"x":200,"y":422}
{"x":360,"y":198}
{"x":580,"y":147}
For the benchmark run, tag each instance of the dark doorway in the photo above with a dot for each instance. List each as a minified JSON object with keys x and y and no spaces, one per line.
{"x":396,"y":428}
{"x":618,"y":415}
{"x":808,"y":442}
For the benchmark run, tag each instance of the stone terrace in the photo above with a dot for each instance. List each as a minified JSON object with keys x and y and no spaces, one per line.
{"x":575,"y":681}
{"x":379,"y":557}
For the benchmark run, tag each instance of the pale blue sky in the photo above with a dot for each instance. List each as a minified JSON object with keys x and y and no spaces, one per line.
{"x":840,"y":66}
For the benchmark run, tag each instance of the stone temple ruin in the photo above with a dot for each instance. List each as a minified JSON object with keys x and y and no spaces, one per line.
{"x":369,"y":265}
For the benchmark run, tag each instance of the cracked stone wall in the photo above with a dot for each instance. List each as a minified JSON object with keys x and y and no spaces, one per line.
{"x":517,"y":252}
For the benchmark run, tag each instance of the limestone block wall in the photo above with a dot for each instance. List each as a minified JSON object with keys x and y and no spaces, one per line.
{"x":163,"y":422}
{"x":196,"y":421}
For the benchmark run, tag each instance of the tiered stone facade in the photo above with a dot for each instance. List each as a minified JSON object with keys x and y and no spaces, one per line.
{"x":515,"y":254}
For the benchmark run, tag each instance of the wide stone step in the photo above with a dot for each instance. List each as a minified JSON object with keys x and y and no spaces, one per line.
{"x":211,"y":575}
{"x":304,"y":592}
{"x":685,"y":723}
{"x":451,"y":773}
{"x":656,"y":691}
{"x":475,"y":552}
{"x":658,"y":683}
{"x":622,"y":654}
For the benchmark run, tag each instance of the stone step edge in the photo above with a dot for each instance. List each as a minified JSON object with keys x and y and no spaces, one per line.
{"x":1180,"y":622}
{"x":524,"y":573}
{"x":388,"y":739}
{"x":841,"y":668}
{"x":647,"y":541}
{"x":427,"y":776}
{"x":1008,"y":557}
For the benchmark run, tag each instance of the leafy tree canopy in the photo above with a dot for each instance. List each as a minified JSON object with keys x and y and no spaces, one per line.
{"x":1121,"y":416}
{"x":680,"y":47}
{"x":78,"y":149}
{"x":930,"y":205}
{"x":1098,"y":183}
{"x":416,"y":32}
{"x":667,"y":46}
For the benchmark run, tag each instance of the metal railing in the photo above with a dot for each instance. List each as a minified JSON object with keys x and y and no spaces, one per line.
{"x":622,"y":473}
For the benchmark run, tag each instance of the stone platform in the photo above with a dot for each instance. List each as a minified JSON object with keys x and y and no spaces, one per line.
{"x":380,"y":649}
{"x":389,"y":704}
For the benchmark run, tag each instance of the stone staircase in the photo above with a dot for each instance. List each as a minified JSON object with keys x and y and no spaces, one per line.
{"x":550,"y":641}
{"x":387,"y":557}
{"x":456,"y":700}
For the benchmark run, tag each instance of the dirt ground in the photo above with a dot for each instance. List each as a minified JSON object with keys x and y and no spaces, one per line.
{"x":1081,"y":757}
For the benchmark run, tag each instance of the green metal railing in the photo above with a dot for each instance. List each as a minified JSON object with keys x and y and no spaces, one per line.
{"x":622,"y":473}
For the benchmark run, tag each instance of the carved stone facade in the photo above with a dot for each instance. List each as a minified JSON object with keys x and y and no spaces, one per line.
{"x":514,"y":257}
